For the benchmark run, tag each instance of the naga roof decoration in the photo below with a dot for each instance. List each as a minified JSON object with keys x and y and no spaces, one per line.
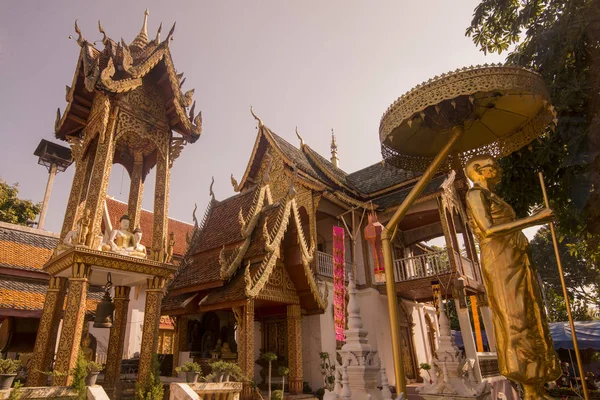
{"x":120,"y":68}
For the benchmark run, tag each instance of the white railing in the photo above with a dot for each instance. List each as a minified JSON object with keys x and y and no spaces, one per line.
{"x":325,"y":265}
{"x":422,"y":266}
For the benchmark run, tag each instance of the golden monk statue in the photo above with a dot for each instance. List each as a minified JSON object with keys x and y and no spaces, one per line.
{"x":525,"y":350}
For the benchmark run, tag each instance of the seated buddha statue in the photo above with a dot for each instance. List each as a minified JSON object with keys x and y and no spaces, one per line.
{"x":120,"y":240}
{"x":139,"y":250}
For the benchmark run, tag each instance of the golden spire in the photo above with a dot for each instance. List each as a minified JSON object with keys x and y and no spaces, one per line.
{"x":141,"y":40}
{"x":334,"y":157}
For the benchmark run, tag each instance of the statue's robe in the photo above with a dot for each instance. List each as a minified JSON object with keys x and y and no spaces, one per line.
{"x":525,"y":349}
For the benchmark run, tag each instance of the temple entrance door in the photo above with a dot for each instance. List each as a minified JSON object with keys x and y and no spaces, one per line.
{"x":406,"y":337}
{"x":275,"y":339}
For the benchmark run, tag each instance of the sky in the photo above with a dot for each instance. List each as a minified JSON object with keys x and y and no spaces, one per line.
{"x":317,"y":65}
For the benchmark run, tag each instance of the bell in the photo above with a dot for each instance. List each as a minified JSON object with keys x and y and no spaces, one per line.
{"x":104,"y":312}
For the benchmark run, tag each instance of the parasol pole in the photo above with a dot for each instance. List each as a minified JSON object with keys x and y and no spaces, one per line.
{"x":565,"y":294}
{"x":390,"y":282}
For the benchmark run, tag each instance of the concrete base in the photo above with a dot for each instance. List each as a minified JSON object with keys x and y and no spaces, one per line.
{"x":55,"y":392}
{"x":182,"y":391}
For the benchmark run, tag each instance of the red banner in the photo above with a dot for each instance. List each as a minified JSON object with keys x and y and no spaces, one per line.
{"x":339,"y":290}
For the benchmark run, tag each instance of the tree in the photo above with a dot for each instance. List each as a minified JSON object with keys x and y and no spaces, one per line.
{"x":14,"y":210}
{"x":560,"y":39}
{"x":581,"y":277}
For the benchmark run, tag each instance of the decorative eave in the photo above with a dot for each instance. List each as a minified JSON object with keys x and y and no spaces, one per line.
{"x":230,"y":264}
{"x":255,"y":284}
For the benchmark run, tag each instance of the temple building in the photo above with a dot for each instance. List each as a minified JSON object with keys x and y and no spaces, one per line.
{"x":258,"y":274}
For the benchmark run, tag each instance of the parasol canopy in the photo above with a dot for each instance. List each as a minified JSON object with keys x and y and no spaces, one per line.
{"x":500,"y":108}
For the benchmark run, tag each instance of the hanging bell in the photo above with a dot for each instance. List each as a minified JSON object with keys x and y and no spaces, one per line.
{"x":104,"y":312}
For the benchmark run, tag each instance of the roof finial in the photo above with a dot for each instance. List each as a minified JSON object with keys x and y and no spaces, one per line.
{"x":300,"y":137}
{"x":104,"y":38}
{"x":260,"y":123}
{"x":144,"y":30}
{"x":334,"y":157}
{"x":80,"y":39}
{"x":212,"y":194}
{"x":157,"y":39}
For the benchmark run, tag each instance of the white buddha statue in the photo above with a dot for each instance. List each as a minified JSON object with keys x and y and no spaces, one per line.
{"x":120,"y":240}
{"x":139,"y":250}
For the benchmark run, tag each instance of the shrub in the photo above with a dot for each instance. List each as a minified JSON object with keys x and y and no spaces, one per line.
{"x":15,"y":394}
{"x":93,"y":366}
{"x":320,"y":393}
{"x":9,"y":366}
{"x":189,"y":366}
{"x":153,"y":389}
{"x":277,"y":395}
{"x":79,"y":373}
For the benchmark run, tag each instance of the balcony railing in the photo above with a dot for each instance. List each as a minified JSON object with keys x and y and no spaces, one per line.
{"x":325,"y":265}
{"x":422,"y":266}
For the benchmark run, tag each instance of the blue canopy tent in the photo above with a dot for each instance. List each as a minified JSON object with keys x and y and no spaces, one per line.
{"x":588,"y":335}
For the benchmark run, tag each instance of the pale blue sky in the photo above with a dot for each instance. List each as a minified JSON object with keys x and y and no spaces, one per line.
{"x":313,"y":64}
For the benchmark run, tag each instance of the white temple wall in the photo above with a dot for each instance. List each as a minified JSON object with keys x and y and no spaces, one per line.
{"x":135,"y":321}
{"x":311,"y":347}
{"x":327,"y":326}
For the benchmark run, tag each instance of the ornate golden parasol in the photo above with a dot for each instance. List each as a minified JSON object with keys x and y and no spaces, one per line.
{"x":442,"y":123}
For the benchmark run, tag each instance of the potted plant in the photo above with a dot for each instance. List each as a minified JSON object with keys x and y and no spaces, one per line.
{"x":8,"y":372}
{"x":269,"y":357}
{"x":283,"y":371}
{"x":192,"y":371}
{"x":93,"y":370}
{"x":427,"y":367}
{"x":222,"y":371}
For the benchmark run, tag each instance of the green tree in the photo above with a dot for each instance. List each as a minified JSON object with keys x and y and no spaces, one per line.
{"x":14,"y":210}
{"x":581,"y":276}
{"x":557,"y":310}
{"x":560,"y":39}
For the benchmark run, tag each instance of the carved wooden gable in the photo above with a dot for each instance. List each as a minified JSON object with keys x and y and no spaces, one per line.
{"x":279,"y":287}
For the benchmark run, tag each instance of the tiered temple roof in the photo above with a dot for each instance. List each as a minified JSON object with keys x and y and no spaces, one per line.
{"x":23,"y":283}
{"x":120,"y":68}
{"x":234,"y":251}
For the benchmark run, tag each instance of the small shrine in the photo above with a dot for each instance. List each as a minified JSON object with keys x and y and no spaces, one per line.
{"x":125,"y":106}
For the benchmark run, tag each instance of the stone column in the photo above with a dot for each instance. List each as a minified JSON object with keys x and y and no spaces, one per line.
{"x":465,"y":329}
{"x":180,"y":344}
{"x":486,"y":316}
{"x":45,"y":342}
{"x":72,"y":327}
{"x":294,"y":328}
{"x":96,"y":195}
{"x":161,"y":207}
{"x":116,"y":339}
{"x":450,"y":236}
{"x":245,"y":321}
{"x":136,"y":190}
{"x":154,"y":295}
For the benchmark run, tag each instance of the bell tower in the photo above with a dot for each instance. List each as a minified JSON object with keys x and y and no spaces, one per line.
{"x":125,"y":105}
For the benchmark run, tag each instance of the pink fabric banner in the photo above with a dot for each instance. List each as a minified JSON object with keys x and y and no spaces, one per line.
{"x":339,"y":290}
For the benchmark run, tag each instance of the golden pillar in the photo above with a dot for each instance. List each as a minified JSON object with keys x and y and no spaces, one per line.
{"x":180,"y":344}
{"x":81,"y":178}
{"x":45,"y":343}
{"x":161,"y":207}
{"x":136,"y":190}
{"x":294,"y":328}
{"x":116,"y":339}
{"x":73,"y":321}
{"x":96,"y":195}
{"x":245,"y":322}
{"x":154,"y":295}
